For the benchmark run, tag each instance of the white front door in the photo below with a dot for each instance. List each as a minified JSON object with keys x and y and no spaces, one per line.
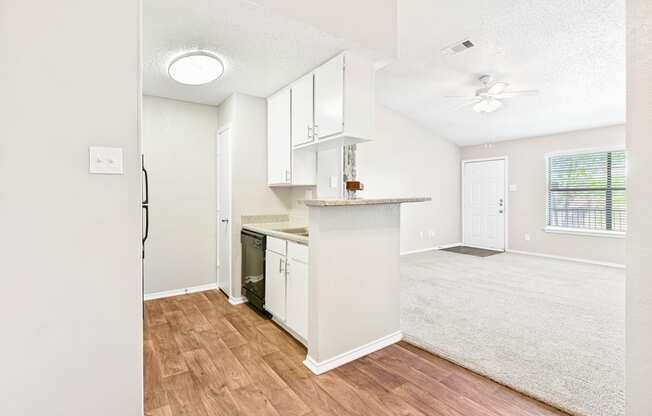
{"x":484,"y":204}
{"x":224,"y":209}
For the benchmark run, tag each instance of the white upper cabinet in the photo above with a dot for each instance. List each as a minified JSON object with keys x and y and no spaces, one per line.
{"x":286,"y":167}
{"x":279,"y":149}
{"x":302,"y":111}
{"x":330,"y":107}
{"x":343,"y":103}
{"x":329,"y":98}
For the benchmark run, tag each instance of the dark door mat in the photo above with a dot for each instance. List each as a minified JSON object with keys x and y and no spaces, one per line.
{"x":478,"y":252}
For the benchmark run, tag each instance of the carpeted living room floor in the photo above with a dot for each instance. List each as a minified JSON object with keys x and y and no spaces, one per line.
{"x":552,"y":329}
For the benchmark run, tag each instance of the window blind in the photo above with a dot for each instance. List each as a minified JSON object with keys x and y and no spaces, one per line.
{"x":588,"y":191}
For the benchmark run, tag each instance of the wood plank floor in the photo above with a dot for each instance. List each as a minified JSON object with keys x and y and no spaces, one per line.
{"x":205,"y":357}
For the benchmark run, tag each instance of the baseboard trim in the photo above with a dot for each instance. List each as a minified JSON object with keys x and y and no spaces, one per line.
{"x":574,"y":259}
{"x":290,"y":331}
{"x":424,"y":250}
{"x":352,"y":355}
{"x":239,"y":300}
{"x":182,"y":291}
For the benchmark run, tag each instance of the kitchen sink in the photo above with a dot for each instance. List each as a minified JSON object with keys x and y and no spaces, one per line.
{"x":302,"y":231}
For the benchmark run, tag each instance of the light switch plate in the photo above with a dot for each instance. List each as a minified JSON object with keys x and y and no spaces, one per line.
{"x":513,"y":188}
{"x":333,"y":181}
{"x":105,"y":160}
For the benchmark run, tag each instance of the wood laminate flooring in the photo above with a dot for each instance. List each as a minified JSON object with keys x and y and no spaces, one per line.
{"x":205,"y":357}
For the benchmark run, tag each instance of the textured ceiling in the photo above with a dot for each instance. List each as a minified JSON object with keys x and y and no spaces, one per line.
{"x":262,"y":51}
{"x":573,"y":51}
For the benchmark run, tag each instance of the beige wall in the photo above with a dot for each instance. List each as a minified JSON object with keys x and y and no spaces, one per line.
{"x":639,"y":248}
{"x":405,"y":159}
{"x":527,"y":204}
{"x":69,"y":241}
{"x":179,"y":149}
{"x":251,"y":195}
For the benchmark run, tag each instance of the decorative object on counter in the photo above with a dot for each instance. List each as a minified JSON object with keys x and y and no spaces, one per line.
{"x":352,"y":187}
{"x":350,"y":163}
{"x":350,"y":172}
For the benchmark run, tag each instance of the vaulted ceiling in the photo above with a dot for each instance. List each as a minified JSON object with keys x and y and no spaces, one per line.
{"x":572,"y":51}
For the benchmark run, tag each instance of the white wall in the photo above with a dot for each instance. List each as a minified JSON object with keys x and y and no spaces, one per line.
{"x":527,"y":211}
{"x":405,"y":159}
{"x":69,"y":241}
{"x":639,"y":248}
{"x":179,"y":149}
{"x":251,"y":195}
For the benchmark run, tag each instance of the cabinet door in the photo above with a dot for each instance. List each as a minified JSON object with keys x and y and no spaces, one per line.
{"x":297,"y":297}
{"x":302,"y":110}
{"x":275,"y":284}
{"x":329,"y":98}
{"x":278,"y":138}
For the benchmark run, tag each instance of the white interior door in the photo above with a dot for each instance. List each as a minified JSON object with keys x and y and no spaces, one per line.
{"x":484,"y":204}
{"x":224,"y":209}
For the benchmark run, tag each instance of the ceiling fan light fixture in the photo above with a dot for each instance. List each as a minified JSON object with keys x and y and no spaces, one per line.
{"x":488,"y":105}
{"x":196,"y":68}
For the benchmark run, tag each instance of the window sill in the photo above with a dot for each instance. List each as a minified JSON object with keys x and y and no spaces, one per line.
{"x":586,"y":233}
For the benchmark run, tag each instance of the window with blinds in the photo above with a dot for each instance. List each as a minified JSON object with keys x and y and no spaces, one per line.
{"x":587,"y":191}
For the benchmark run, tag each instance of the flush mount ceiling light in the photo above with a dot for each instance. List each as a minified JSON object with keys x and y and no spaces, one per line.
{"x":196,"y":68}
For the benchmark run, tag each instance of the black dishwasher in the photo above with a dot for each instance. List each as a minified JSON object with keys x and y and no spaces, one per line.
{"x":253,"y":269}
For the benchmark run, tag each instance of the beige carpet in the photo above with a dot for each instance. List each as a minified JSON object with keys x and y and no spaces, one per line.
{"x":552,"y":329}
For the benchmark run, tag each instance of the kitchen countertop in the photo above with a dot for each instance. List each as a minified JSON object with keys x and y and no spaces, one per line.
{"x":275,"y":229}
{"x":361,"y":201}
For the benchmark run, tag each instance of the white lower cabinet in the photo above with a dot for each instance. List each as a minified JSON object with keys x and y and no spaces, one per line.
{"x":297,"y":296}
{"x":286,"y":284}
{"x":275,"y":284}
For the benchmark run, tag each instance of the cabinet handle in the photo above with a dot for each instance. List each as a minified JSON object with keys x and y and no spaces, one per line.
{"x":314,"y":131}
{"x":287,"y":176}
{"x":280,"y":265}
{"x":309,"y":132}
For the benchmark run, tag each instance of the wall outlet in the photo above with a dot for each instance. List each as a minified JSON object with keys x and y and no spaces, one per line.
{"x":527,"y":237}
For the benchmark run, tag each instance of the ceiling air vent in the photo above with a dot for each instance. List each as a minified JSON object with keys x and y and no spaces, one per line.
{"x":457,"y":47}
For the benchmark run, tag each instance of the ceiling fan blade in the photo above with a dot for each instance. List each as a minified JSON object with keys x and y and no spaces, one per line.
{"x":510,"y":94}
{"x":462,"y":97}
{"x":469,"y":104}
{"x":497,"y":88}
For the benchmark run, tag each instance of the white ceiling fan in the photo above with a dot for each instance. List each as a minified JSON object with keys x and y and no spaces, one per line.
{"x":488,"y":98}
